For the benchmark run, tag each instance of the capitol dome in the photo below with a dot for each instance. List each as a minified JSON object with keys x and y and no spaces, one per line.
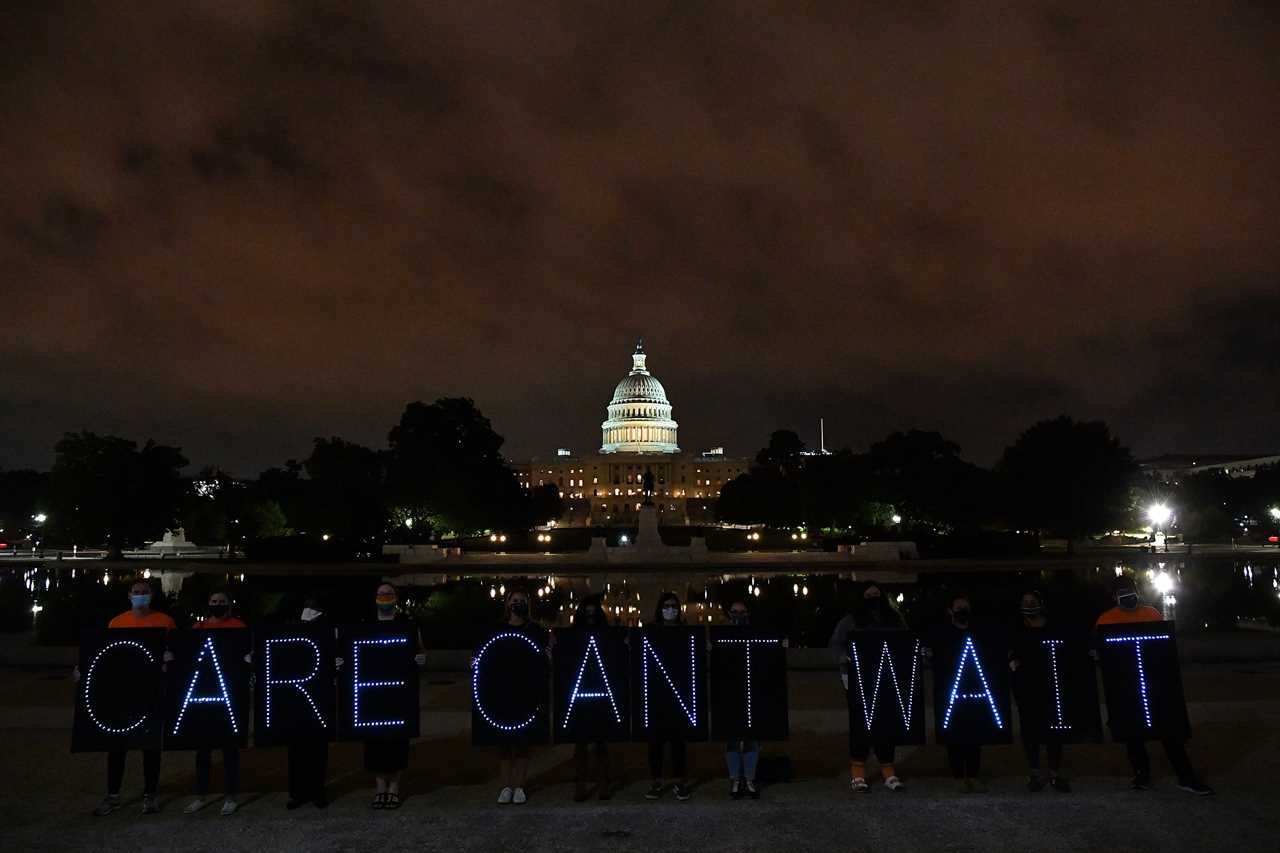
{"x":639,"y":414}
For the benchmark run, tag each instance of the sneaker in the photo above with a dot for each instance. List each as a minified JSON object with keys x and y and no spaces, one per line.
{"x":978,"y":786}
{"x":109,"y":804}
{"x":654,"y":792}
{"x":149,"y":804}
{"x":520,"y":797}
{"x":893,"y":783}
{"x":1141,"y":782}
{"x":752,"y":791}
{"x":735,"y":789}
{"x":194,"y":806}
{"x":1198,"y":788}
{"x":1060,"y":784}
{"x":1035,"y":782}
{"x":860,"y":786}
{"x":505,"y":796}
{"x":229,"y":807}
{"x":683,"y":793}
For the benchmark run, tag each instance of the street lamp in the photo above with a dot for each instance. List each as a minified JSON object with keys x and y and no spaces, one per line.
{"x":1275,"y":512}
{"x":896,"y":519}
{"x":39,"y":518}
{"x":1160,"y":515}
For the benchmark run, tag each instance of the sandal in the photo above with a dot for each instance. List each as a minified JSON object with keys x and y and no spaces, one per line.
{"x":392,"y":801}
{"x":379,"y":801}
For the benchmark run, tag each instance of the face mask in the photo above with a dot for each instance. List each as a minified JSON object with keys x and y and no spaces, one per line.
{"x":385,"y":602}
{"x":670,"y":614}
{"x":219,"y":611}
{"x":960,"y":615}
{"x":140,"y":601}
{"x":740,"y":618}
{"x":1031,"y":611}
{"x":1127,"y":600}
{"x":520,"y":608}
{"x":310,"y":614}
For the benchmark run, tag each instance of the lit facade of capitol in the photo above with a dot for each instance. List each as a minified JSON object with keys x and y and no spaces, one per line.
{"x":605,"y":488}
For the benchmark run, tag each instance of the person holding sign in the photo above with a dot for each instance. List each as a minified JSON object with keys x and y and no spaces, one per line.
{"x":139,"y":615}
{"x":1129,"y":610}
{"x":667,"y":613}
{"x":308,"y":755}
{"x":965,"y":758}
{"x":513,"y":765}
{"x":871,"y":612}
{"x":742,"y":756}
{"x":590,"y":614}
{"x":1031,"y":704}
{"x":386,"y":759}
{"x":219,"y":617}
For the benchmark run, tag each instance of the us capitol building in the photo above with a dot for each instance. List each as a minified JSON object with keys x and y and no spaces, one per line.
{"x":605,"y":488}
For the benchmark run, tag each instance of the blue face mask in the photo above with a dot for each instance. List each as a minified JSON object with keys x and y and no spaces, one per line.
{"x":140,"y":601}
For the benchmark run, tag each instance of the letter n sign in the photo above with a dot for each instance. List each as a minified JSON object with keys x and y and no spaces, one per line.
{"x":668,"y":671}
{"x":118,"y":697}
{"x":1143,"y":680}
{"x":509,"y":702}
{"x":748,"y":684}
{"x":971,"y":690}
{"x":208,"y":689}
{"x":378,"y":682}
{"x":886,"y":694}
{"x":592,"y":699}
{"x":294,"y":696}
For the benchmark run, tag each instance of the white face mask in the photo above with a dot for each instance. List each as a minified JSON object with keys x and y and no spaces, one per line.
{"x":309,"y":614}
{"x":670,"y":614}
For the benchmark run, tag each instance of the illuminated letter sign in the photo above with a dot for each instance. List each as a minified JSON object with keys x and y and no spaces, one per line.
{"x":295,"y":696}
{"x":591,"y":690}
{"x":378,"y":686}
{"x":971,"y":683}
{"x":1143,"y":680}
{"x":509,"y":690}
{"x":210,"y":688}
{"x":118,"y":698}
{"x":1055,"y":687}
{"x":667,"y":663}
{"x":884,"y":687}
{"x":748,"y":684}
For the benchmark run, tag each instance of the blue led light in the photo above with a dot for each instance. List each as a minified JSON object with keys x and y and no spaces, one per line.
{"x":88,"y":683}
{"x":690,"y":710}
{"x":295,"y":683}
{"x":223,"y":697}
{"x":1052,"y":648}
{"x":592,"y":651}
{"x":747,"y":644}
{"x":905,"y":703}
{"x":475,"y":681}
{"x":357,"y":685}
{"x":1138,"y":640}
{"x":970,"y":652}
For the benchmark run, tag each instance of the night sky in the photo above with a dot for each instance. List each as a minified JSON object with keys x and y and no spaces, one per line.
{"x":233,"y":226}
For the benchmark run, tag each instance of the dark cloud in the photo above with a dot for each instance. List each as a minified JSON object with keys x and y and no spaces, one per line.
{"x":233,"y":226}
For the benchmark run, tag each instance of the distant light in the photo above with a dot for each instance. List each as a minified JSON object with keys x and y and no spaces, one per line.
{"x":1159,"y":513}
{"x":493,"y":537}
{"x":756,"y":593}
{"x":623,"y":539}
{"x":804,"y":590}
{"x":897,"y":519}
{"x":493,"y":593}
{"x":1275,"y":512}
{"x":502,"y":537}
{"x":39,"y":518}
{"x":408,"y":522}
{"x":1163,"y":583}
{"x":324,"y":537}
{"x":900,"y":598}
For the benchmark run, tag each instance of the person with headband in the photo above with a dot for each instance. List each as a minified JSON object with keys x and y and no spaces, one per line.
{"x":219,"y":617}
{"x":387,"y":759}
{"x":1032,"y":709}
{"x":871,"y":612}
{"x":139,"y":615}
{"x":667,"y":614}
{"x":1128,"y":610}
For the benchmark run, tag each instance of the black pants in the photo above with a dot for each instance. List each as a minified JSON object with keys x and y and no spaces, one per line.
{"x":860,"y":749}
{"x":1053,"y":750}
{"x":581,"y":760}
{"x":1175,"y":748}
{"x":230,"y":770}
{"x":150,"y":771}
{"x":679,"y":754}
{"x":308,"y":760}
{"x":966,"y":760}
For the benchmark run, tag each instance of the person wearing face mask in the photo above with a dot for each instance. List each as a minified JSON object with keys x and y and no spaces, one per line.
{"x":1129,"y":609}
{"x":139,"y":615}
{"x":590,"y":615}
{"x":742,"y":756}
{"x":668,"y":613}
{"x":387,"y":759}
{"x":513,"y":765}
{"x":219,"y":617}
{"x":308,"y":755}
{"x":1031,"y":703}
{"x":871,"y":612}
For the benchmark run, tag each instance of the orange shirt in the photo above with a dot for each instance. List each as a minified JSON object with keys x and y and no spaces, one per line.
{"x":154,"y":619}
{"x":229,"y":622}
{"x":1120,"y":616}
